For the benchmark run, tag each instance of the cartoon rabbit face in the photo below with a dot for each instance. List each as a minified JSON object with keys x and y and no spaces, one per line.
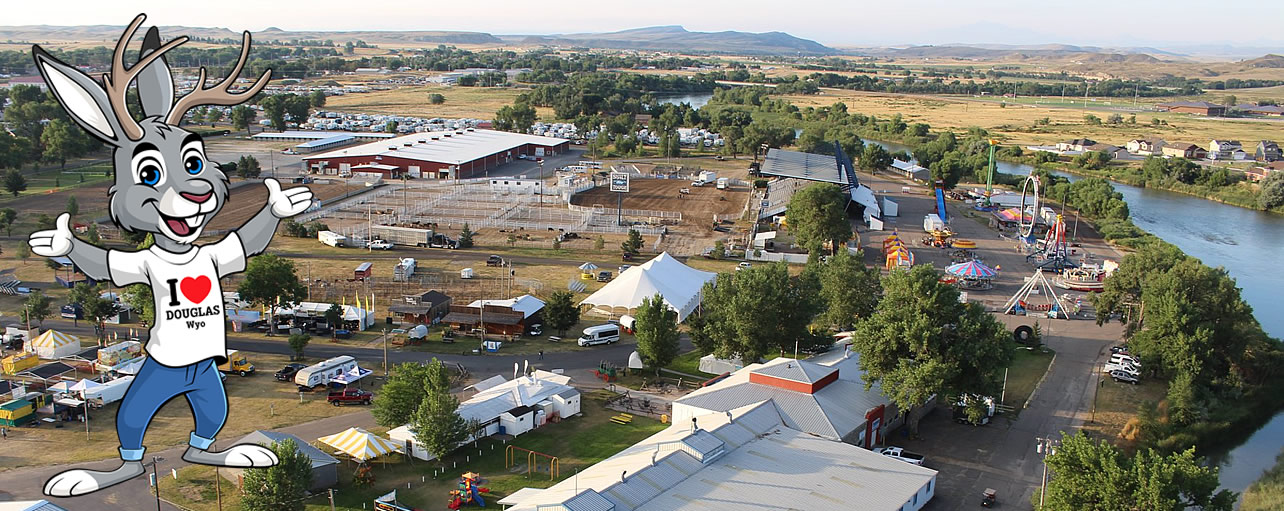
{"x":164,"y":183}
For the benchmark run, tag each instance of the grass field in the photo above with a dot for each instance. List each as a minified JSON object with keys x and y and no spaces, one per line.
{"x":1028,"y":367}
{"x":689,"y":363}
{"x":1015,"y":123}
{"x":473,"y":102}
{"x":1116,"y":403}
{"x":256,"y":402}
{"x":577,"y":442}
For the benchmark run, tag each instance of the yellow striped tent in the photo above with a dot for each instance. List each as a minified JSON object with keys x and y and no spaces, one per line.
{"x":360,"y":444}
{"x":54,"y":344}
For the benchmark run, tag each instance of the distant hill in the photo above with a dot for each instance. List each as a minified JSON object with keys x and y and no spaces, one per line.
{"x":1043,"y":51}
{"x":677,"y":38}
{"x":107,"y":34}
{"x":1271,"y":61}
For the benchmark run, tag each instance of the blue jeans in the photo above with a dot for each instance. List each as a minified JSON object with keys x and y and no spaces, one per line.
{"x":154,"y":386}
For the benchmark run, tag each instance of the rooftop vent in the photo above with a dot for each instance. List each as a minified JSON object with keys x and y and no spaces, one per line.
{"x":422,"y":141}
{"x":407,"y":144}
{"x":447,"y":135}
{"x":392,"y":148}
{"x":471,"y":129}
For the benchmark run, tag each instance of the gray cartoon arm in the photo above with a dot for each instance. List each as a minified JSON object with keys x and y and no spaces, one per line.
{"x":60,"y":241}
{"x":258,"y":231}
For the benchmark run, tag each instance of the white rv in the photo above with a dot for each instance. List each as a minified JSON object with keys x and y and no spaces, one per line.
{"x":320,"y":373}
{"x":109,"y":392}
{"x":332,"y":238}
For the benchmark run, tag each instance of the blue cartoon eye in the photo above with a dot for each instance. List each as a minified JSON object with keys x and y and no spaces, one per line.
{"x":149,"y":173}
{"x":194,"y":165}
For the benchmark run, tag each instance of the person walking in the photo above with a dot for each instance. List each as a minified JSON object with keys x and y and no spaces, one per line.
{"x":541,"y":354}
{"x":4,"y":433}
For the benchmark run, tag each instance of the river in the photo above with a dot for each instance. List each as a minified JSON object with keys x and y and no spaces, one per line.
{"x":1245,"y":242}
{"x":695,"y":99}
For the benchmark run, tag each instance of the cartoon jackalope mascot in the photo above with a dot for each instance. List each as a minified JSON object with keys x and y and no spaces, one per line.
{"x":164,"y":186}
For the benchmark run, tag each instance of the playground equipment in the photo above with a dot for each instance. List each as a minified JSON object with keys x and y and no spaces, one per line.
{"x":940,"y":201}
{"x":1054,"y":307}
{"x":532,"y":461}
{"x":469,"y":492}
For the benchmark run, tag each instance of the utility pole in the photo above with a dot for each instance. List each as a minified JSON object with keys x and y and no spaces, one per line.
{"x":1046,"y":447}
{"x":218,"y":492}
{"x":331,"y":499}
{"x":385,"y":353}
{"x":155,"y":478}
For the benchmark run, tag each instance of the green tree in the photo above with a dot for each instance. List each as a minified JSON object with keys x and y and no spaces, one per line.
{"x":14,"y":182}
{"x":656,"y":330}
{"x":62,"y":140}
{"x":599,"y":243}
{"x":73,"y":207}
{"x":516,"y":118}
{"x":1271,"y":194}
{"x":14,"y":151}
{"x":270,"y":281}
{"x":242,"y":117}
{"x":1115,"y":118}
{"x":24,"y":252}
{"x":874,"y":158}
{"x":817,"y":215}
{"x":921,"y":341}
{"x":633,"y":244}
{"x":37,"y":308}
{"x":1092,"y":120}
{"x":92,"y":236}
{"x":560,"y":312}
{"x":466,"y":237}
{"x":7,"y":217}
{"x":437,"y":425}
{"x":297,"y":343}
{"x":848,"y":289}
{"x":214,"y":115}
{"x":317,"y":99}
{"x":436,"y":99}
{"x":755,"y":312}
{"x":281,"y":487}
{"x":390,"y":127}
{"x":334,"y":316}
{"x":274,"y":108}
{"x":1091,"y":474}
{"x":95,"y":308}
{"x":139,"y":297}
{"x":408,"y":384}
{"x":948,"y":170}
{"x":247,"y":166}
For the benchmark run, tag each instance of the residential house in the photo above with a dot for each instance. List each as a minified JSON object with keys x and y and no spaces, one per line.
{"x":1267,"y":150}
{"x":1224,"y":149}
{"x":1078,"y":144}
{"x":1260,"y":172}
{"x":1184,"y":150}
{"x":1193,"y":107}
{"x":1264,"y":110}
{"x":1115,"y":152}
{"x":1146,"y":146}
{"x":34,"y":81}
{"x":325,"y":468}
{"x":424,"y":308}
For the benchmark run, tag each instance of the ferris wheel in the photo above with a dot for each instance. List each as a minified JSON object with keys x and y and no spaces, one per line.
{"x":1030,"y":191}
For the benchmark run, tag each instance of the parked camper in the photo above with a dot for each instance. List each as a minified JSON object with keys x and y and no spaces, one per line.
{"x":722,"y":183}
{"x":628,"y":322}
{"x":109,"y":392}
{"x":704,"y":178}
{"x":600,"y":334}
{"x":320,"y":373}
{"x":332,"y":238}
{"x":236,"y":363}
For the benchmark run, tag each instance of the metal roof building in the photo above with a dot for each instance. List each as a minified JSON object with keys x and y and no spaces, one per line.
{"x":837,"y":169}
{"x":462,"y":153}
{"x":744,"y":459}
{"x":826,"y":399}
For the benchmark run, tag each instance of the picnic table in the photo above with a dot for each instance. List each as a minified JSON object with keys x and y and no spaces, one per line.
{"x":623,"y":418}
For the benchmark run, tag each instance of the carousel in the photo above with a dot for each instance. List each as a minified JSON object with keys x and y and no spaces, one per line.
{"x":972,"y":275}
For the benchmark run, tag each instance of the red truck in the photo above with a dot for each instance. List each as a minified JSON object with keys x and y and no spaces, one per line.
{"x":350,"y":396}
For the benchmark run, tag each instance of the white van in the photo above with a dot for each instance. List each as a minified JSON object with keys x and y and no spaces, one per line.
{"x":601,"y":334}
{"x":1120,"y":358}
{"x":320,"y":373}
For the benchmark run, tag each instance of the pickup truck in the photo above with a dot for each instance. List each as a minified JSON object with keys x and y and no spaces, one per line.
{"x":350,"y":396}
{"x":379,"y":245}
{"x":900,"y":454}
{"x":494,"y":260}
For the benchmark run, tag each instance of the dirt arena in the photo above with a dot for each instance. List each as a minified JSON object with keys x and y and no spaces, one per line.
{"x":246,"y":200}
{"x":697,"y":208}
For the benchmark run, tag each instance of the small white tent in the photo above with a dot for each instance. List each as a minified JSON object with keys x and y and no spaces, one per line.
{"x":54,"y":344}
{"x":679,"y":284}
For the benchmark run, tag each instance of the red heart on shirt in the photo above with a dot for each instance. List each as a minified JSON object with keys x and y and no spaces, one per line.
{"x":195,"y":289}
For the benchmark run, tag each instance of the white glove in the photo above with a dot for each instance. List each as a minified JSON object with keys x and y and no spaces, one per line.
{"x":55,"y":242}
{"x":287,"y":203}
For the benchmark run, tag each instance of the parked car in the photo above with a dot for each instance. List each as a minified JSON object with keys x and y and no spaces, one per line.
{"x":604,"y":276}
{"x":626,"y":257}
{"x":287,"y":373}
{"x":1114,"y":350}
{"x":1124,"y":377}
{"x":350,"y":396}
{"x":379,"y":245}
{"x":744,"y":265}
{"x":494,"y":260}
{"x":1127,"y":368}
{"x":624,"y":267}
{"x":900,"y":454}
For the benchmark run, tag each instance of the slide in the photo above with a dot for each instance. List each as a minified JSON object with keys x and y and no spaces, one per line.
{"x":940,"y":204}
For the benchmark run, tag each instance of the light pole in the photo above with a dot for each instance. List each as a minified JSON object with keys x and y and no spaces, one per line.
{"x":155,"y":478}
{"x":1046,"y":447}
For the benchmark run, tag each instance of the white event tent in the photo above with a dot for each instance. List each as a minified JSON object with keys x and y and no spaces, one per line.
{"x":679,"y":284}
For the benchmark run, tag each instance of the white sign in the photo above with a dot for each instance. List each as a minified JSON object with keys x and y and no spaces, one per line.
{"x":620,"y":182}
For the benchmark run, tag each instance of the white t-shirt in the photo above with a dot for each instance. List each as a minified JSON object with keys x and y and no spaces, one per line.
{"x":189,"y":301}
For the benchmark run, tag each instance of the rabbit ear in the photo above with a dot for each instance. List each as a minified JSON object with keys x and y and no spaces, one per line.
{"x":155,"y":84}
{"x":83,"y":98}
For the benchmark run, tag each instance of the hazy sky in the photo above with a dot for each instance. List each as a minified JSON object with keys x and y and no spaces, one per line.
{"x":833,"y":22}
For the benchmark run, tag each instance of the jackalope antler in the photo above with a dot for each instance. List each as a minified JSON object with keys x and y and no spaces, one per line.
{"x":118,"y":81}
{"x":219,"y":94}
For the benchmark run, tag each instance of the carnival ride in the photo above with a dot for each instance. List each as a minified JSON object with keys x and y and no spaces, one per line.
{"x":1053,"y":251}
{"x":1053,"y":306}
{"x":1088,"y":278}
{"x":940,"y":202}
{"x":469,"y":492}
{"x":896,"y":254}
{"x":972,"y":275}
